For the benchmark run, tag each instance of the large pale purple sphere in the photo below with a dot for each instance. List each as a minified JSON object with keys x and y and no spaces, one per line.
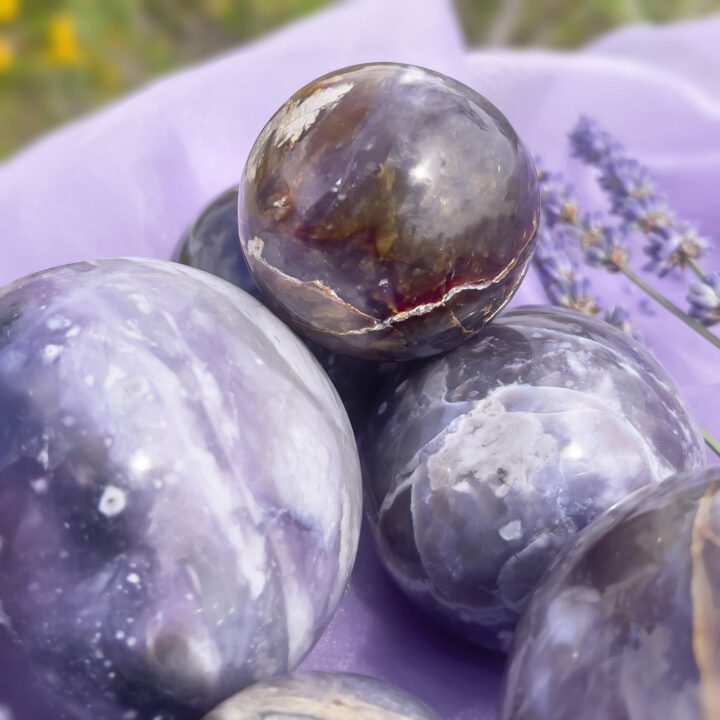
{"x":626,"y":625}
{"x":388,"y":211}
{"x":179,"y":492}
{"x":484,"y":463}
{"x":322,"y":696}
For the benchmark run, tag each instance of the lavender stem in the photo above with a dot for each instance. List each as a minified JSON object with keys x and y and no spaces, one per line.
{"x":712,"y":442}
{"x":670,"y":307}
{"x":695,"y":267}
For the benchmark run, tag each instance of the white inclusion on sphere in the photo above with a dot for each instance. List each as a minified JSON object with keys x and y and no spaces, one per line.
{"x":133,"y":578}
{"x":511,"y":531}
{"x":50,"y":353}
{"x":57,"y":323}
{"x":572,"y":614}
{"x":536,"y":434}
{"x":43,"y":457}
{"x":114,"y":374}
{"x":414,"y":76}
{"x":491,"y":437}
{"x":298,"y":118}
{"x":140,"y":462}
{"x":142,"y":303}
{"x":112,"y":502}
{"x":194,"y":579}
{"x":40,"y":485}
{"x":420,"y":173}
{"x":573,"y":451}
{"x":4,"y":619}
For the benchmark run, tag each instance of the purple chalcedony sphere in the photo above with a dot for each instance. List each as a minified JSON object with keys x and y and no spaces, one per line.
{"x":484,"y":463}
{"x":322,"y":696}
{"x":625,"y":625}
{"x":388,"y":211}
{"x":180,"y":493}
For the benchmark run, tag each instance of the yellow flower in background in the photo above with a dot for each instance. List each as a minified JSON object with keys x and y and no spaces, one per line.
{"x":9,"y":10}
{"x":63,"y":43}
{"x":7,"y":55}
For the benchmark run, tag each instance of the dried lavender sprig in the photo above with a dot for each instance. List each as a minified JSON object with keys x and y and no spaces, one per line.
{"x":633,"y":197}
{"x":605,"y":250}
{"x":670,"y":307}
{"x":557,"y":275}
{"x":604,"y":247}
{"x":556,"y":270}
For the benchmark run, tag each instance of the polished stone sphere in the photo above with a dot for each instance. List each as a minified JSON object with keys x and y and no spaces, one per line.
{"x":626,"y":624}
{"x":211,"y":243}
{"x":388,"y":212}
{"x":323,"y":696}
{"x":484,"y":463}
{"x":180,"y":493}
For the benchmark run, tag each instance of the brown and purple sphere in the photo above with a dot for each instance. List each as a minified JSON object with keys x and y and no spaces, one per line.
{"x":388,"y":211}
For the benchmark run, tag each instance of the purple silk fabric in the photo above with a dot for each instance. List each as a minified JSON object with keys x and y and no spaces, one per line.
{"x":126,"y":181}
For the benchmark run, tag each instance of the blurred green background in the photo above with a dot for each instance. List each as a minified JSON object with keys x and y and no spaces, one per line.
{"x":60,"y":58}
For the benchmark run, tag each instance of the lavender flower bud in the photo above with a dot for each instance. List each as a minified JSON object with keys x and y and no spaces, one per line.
{"x":669,"y":248}
{"x":590,"y":143}
{"x":573,"y":294}
{"x":558,"y":204}
{"x":625,"y":180}
{"x":704,"y":299}
{"x":650,"y":215}
{"x":605,"y":247}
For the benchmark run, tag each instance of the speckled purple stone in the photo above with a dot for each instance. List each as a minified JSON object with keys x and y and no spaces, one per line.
{"x":323,"y":696}
{"x":388,"y":211}
{"x":626,"y":624}
{"x":179,"y":492}
{"x":484,"y":463}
